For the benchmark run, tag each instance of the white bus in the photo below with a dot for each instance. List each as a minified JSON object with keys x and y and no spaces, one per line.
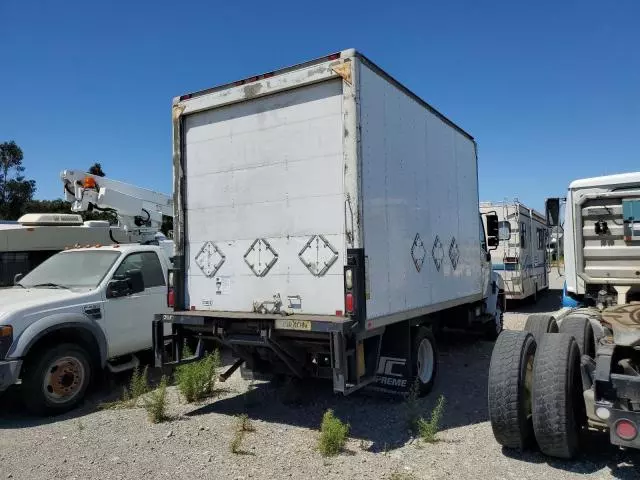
{"x":36,"y":236}
{"x":521,"y":256}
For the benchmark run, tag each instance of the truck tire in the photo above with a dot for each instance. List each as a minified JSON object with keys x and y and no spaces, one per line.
{"x":510,"y":381}
{"x":539,"y":324}
{"x":56,"y":379}
{"x":559,"y":413}
{"x":581,"y":330}
{"x":425,"y":360}
{"x":492,"y":329}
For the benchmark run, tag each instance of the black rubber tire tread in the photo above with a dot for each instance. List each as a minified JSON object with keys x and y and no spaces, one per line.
{"x":581,"y":330}
{"x":539,"y":324}
{"x":558,"y":408}
{"x":32,"y":394}
{"x":510,"y":423}
{"x":419,"y":334}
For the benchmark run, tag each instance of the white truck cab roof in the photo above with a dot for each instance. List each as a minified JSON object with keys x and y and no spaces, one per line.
{"x":618,"y":180}
{"x":124,"y":247}
{"x":166,"y":246}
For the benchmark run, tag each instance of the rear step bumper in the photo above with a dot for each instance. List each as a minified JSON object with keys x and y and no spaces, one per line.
{"x":246,"y":332}
{"x":217,"y":319}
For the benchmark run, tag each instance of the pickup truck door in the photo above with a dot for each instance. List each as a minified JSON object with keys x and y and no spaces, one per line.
{"x":128,"y":320}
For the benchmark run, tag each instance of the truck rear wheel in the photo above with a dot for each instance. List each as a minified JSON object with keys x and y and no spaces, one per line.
{"x":425,"y":360}
{"x":581,"y":330}
{"x":56,"y":380}
{"x":539,"y":324}
{"x":510,"y":382}
{"x":559,"y":413}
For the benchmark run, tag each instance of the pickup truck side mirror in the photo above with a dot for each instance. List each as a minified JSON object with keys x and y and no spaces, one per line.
{"x":128,"y":284}
{"x":17,"y":278}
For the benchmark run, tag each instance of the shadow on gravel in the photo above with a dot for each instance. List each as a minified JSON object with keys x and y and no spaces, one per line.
{"x":14,"y":415}
{"x":597,"y":454}
{"x":378,"y":419}
{"x":548,"y":301}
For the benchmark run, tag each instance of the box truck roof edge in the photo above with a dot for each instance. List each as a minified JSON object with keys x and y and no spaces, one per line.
{"x":344,"y":54}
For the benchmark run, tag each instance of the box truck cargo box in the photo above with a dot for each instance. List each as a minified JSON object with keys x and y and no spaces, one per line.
{"x":327,"y":220}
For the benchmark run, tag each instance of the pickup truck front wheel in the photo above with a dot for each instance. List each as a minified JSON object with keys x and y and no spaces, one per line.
{"x":56,"y":380}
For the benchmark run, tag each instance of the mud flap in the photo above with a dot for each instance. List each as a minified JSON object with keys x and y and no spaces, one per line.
{"x":394,"y":372}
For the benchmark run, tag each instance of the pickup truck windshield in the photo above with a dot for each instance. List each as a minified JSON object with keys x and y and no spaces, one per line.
{"x":75,"y":269}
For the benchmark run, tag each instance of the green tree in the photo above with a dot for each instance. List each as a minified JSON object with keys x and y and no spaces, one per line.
{"x":96,"y":169}
{"x":48,"y":206}
{"x":15,"y":190}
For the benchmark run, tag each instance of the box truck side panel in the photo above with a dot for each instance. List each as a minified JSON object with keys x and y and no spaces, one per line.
{"x":265,"y":202}
{"x":420,"y":204}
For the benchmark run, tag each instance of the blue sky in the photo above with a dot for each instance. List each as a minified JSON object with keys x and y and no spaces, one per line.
{"x":550,"y":90}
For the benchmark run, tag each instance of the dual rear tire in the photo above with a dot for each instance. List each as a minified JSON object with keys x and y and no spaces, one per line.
{"x":535,"y":387}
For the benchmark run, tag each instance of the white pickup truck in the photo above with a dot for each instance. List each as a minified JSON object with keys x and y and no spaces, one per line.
{"x":79,"y":312}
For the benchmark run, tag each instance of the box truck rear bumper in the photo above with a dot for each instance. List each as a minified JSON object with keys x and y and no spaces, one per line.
{"x":303,"y":345}
{"x":219,"y":319}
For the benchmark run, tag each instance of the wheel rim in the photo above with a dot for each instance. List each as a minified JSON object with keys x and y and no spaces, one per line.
{"x":425,"y":361}
{"x":63,"y":379}
{"x":499,"y":321}
{"x":528,"y":387}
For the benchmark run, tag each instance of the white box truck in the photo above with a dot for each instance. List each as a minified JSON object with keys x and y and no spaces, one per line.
{"x":326,"y":221}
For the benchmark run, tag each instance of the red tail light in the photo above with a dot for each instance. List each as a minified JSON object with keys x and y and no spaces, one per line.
{"x":626,"y":430}
{"x":348,"y":302}
{"x":171,"y":298}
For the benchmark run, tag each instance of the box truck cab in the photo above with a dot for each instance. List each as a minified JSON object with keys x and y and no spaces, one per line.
{"x":326,"y":220}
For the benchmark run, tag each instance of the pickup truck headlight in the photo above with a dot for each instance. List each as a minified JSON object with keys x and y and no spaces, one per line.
{"x":6,"y":339}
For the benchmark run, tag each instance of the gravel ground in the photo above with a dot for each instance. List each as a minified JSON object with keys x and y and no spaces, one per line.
{"x":91,"y":443}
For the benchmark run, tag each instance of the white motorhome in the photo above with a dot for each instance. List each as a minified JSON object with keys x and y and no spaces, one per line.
{"x":521,"y":256}
{"x":35,"y":237}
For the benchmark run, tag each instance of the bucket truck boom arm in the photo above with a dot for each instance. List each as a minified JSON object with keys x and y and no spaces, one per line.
{"x":139,"y":211}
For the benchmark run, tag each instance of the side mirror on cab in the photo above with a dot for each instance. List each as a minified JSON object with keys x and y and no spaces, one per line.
{"x":552,"y":209}
{"x":493,"y":230}
{"x":17,"y":278}
{"x":128,"y":284}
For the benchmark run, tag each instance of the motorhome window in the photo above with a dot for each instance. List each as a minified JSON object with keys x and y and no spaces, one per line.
{"x":541,"y":242}
{"x":504,"y":230}
{"x":12,"y":263}
{"x":523,"y":235}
